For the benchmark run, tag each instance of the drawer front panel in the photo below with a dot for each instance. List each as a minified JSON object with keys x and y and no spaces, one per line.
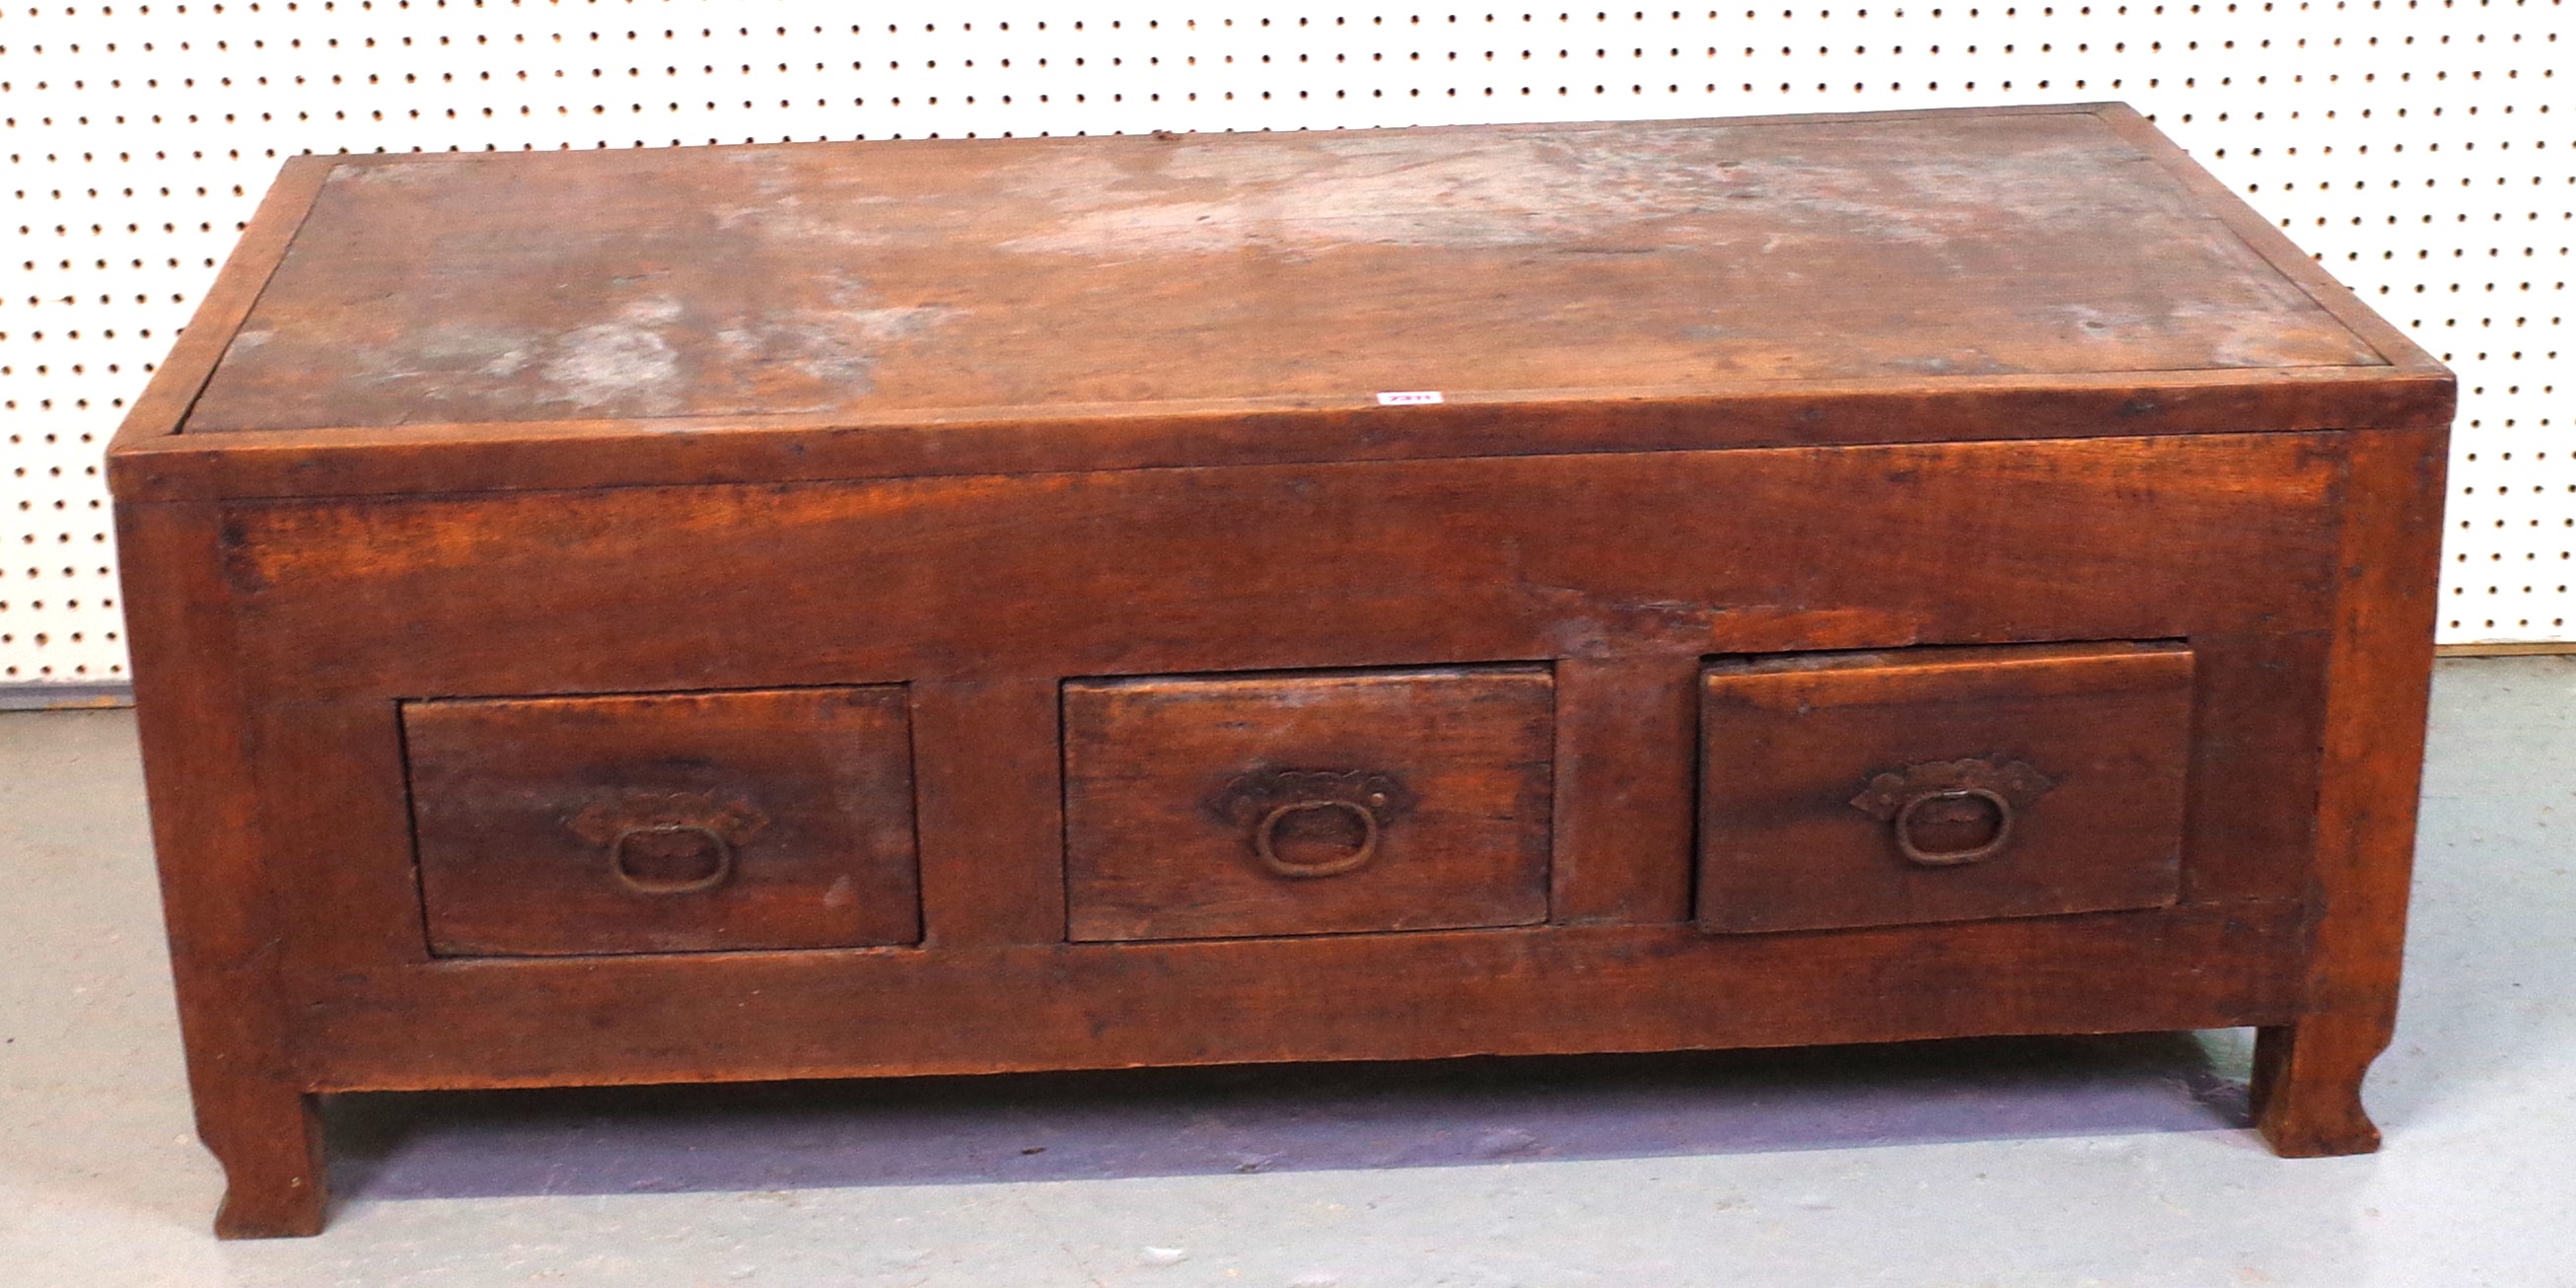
{"x":1307,"y":804}
{"x":666,"y":823}
{"x":1942,"y":785}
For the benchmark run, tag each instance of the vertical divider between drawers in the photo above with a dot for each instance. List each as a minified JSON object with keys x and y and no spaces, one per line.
{"x":989,"y":777}
{"x":1627,"y":732}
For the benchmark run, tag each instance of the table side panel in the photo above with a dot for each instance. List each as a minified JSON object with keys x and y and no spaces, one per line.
{"x":1632,"y":565}
{"x":1285,"y":567}
{"x":1327,"y":997}
{"x":217,"y":872}
{"x":423,"y":459}
{"x":2308,"y":1077}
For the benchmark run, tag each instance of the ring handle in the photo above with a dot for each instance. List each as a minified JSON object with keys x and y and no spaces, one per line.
{"x":1262,"y":800}
{"x":1899,"y":797}
{"x":616,"y":822}
{"x":1264,"y":844}
{"x":1903,"y":826}
{"x":716,"y":874}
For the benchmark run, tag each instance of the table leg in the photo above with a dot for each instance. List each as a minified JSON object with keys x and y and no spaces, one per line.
{"x":269,"y":1140}
{"x":2307,"y":1085}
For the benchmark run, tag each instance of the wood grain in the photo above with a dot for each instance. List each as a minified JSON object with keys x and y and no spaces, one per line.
{"x":1626,"y":733}
{"x":978,"y":593}
{"x":216,"y":875}
{"x":992,"y":811}
{"x":2079,"y":752}
{"x":1229,"y":805}
{"x":1532,"y":990}
{"x":181,"y":376}
{"x":669,"y":823}
{"x":457,"y":458}
{"x":975,"y":306}
{"x":1443,"y":561}
{"x":1019,"y":273}
{"x":2308,"y":1075}
{"x":2266,"y":239}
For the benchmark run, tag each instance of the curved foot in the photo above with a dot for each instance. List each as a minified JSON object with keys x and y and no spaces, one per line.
{"x":2307,"y":1086}
{"x":270,"y":1145}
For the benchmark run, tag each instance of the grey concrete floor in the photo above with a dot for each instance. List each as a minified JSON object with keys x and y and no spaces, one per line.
{"x":2111,"y":1161}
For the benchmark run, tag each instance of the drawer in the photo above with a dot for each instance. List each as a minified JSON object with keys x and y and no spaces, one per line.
{"x":1313,"y":803}
{"x":665,"y":823}
{"x":1941,"y":784}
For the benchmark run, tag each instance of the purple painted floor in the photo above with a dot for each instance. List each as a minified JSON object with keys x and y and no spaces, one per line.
{"x":1048,"y":1127}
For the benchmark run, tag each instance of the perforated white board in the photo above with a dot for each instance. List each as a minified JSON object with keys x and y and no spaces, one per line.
{"x":2415,"y":146}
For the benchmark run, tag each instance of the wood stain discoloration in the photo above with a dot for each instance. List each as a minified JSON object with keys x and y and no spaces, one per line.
{"x":622,"y":367}
{"x":956,"y":278}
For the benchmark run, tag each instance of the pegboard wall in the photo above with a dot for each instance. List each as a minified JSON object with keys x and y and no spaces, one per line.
{"x":2411,"y":145}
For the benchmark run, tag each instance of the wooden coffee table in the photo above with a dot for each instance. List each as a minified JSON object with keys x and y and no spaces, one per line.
{"x":874,"y":609}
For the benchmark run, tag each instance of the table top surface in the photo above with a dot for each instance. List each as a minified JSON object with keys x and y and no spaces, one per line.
{"x":938,"y":282}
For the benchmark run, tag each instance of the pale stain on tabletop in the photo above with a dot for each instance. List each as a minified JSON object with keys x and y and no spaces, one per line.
{"x":992,"y":277}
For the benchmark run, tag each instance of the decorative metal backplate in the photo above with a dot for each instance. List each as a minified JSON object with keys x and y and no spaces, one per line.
{"x":1898,"y":798}
{"x":1260,"y":800}
{"x":723,"y":824}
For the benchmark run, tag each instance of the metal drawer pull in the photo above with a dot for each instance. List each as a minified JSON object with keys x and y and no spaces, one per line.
{"x":724,"y":823}
{"x":1900,"y":798}
{"x":1911,"y":849}
{"x":1262,"y":800}
{"x":1264,"y":839}
{"x":620,"y":867}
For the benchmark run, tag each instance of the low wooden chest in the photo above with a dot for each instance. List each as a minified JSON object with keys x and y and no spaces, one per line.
{"x":958,"y":606}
